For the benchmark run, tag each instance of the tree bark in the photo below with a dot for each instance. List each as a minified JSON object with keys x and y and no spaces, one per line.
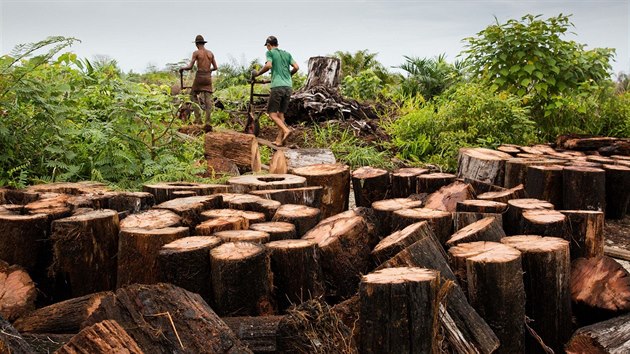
{"x":323,"y":71}
{"x":404,"y":181}
{"x":545,"y":183}
{"x":17,"y":292}
{"x":133,"y":202}
{"x":247,"y":183}
{"x":306,"y":157}
{"x":304,"y":218}
{"x":503,"y":196}
{"x":544,"y":223}
{"x":209,"y":227}
{"x":277,"y":230}
{"x":399,"y":240}
{"x":513,"y":218}
{"x":25,"y":241}
{"x":617,"y":191}
{"x":370,"y":184}
{"x":516,"y":170}
{"x":486,"y":229}
{"x":243,"y":236}
{"x":482,"y":164}
{"x":441,"y":222}
{"x":432,"y":182}
{"x":163,"y":191}
{"x":384,"y":210}
{"x":591,"y":184}
{"x":447,"y":197}
{"x":309,"y":196}
{"x":240,"y":148}
{"x":101,"y":338}
{"x":611,"y":336}
{"x":586,"y":231}
{"x":11,"y":341}
{"x":335,"y":179}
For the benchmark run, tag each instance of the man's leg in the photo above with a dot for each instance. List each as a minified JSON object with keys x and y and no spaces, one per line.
{"x":195,"y":103}
{"x":284,"y":130}
{"x":207,"y":98}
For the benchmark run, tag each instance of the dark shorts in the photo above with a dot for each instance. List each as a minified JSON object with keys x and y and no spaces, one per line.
{"x":279,"y":99}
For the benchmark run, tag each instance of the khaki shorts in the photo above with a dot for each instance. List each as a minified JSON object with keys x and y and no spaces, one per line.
{"x":279,"y":99}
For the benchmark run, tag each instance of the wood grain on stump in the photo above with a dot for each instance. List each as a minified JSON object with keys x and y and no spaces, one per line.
{"x":481,"y":206}
{"x":247,"y":183}
{"x":163,"y":191}
{"x":304,"y":218}
{"x":250,"y":202}
{"x":190,"y":208}
{"x":309,"y":196}
{"x":335,"y":179}
{"x":461,"y":219}
{"x":486,"y":229}
{"x":209,"y":227}
{"x":447,"y":197}
{"x":431,"y":182}
{"x":441,"y":222}
{"x":504,"y":196}
{"x":370,"y":184}
{"x":251,"y":216}
{"x":151,"y":219}
{"x":243,"y":236}
{"x":512,"y":219}
{"x":277,"y":230}
{"x":384,"y":209}
{"x":543,"y":222}
{"x":404,"y":181}
{"x":399,"y":240}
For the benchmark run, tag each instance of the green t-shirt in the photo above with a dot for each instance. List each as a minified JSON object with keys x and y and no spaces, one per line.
{"x":280,"y":72}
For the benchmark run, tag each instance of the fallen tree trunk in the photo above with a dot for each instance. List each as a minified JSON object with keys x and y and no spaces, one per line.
{"x":240,"y":148}
{"x":611,"y":336}
{"x":101,"y":338}
{"x":17,"y":292}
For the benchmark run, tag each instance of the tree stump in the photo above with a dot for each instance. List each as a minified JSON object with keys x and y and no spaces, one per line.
{"x":250,"y":202}
{"x":209,"y":227}
{"x":335,"y":179}
{"x":384,"y":210}
{"x":399,"y":240}
{"x":486,"y":229}
{"x":503,"y":196}
{"x":586,"y":231}
{"x":243,"y":236}
{"x":25,"y":241}
{"x":546,"y":274}
{"x":482,"y":164}
{"x":309,"y":196}
{"x":447,"y":197}
{"x":516,"y":170}
{"x":496,"y":291}
{"x":163,"y":318}
{"x":84,"y":253}
{"x":278,"y":163}
{"x":241,"y":149}
{"x":432,"y":182}
{"x":441,"y":222}
{"x":306,"y":157}
{"x":482,"y":187}
{"x":458,"y":254}
{"x":17,"y":291}
{"x":186,"y":263}
{"x":138,"y":253}
{"x":404,"y":181}
{"x":241,"y":279}
{"x":53,"y":205}
{"x":297,"y":275}
{"x":513,"y":218}
{"x":277,"y":230}
{"x":461,"y":219}
{"x":101,"y":338}
{"x":583,"y":188}
{"x":247,"y":183}
{"x":304,"y":218}
{"x":323,"y":71}
{"x":370,"y":184}
{"x":545,"y":183}
{"x":617,"y":191}
{"x":190,"y":208}
{"x":509,"y":149}
{"x":544,"y":223}
{"x":399,"y":310}
{"x":481,"y":206}
{"x":612,"y":336}
{"x":133,"y":202}
{"x":11,"y":342}
{"x":252,"y":217}
{"x":151,"y":219}
{"x":164,"y":191}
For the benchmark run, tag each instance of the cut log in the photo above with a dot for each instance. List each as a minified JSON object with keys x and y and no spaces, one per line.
{"x":250,"y":202}
{"x":586,"y":231}
{"x":544,"y":223}
{"x":545,"y":183}
{"x":151,"y":220}
{"x":461,"y":219}
{"x":261,"y":334}
{"x":335,"y":179}
{"x":441,"y":222}
{"x":17,"y":292}
{"x":163,"y":318}
{"x":505,"y":195}
{"x":591,"y":184}
{"x":447,"y":197}
{"x":516,"y":170}
{"x":297,"y":275}
{"x":399,"y":310}
{"x":63,"y":317}
{"x":486,"y":229}
{"x":190,"y":208}
{"x":513,"y":218}
{"x":297,"y":158}
{"x":617,"y":191}
{"x":11,"y":342}
{"x":481,"y":206}
{"x":482,"y":164}
{"x":600,"y":289}
{"x":163,"y":191}
{"x":278,"y":163}
{"x":309,"y":196}
{"x":54,"y":206}
{"x":585,"y":143}
{"x":219,"y":167}
{"x":404,"y":181}
{"x":251,"y":216}
{"x":384,"y":210}
{"x":369,"y":185}
{"x":101,"y":338}
{"x":546,"y":274}
{"x":186,"y":263}
{"x":134,"y":202}
{"x":482,"y":187}
{"x":496,"y":291}
{"x":304,"y":218}
{"x":611,"y":336}
{"x":25,"y":241}
{"x":368,"y":216}
{"x":399,"y":240}
{"x":243,"y":236}
{"x":509,"y":149}
{"x":245,"y":184}
{"x":138,"y":253}
{"x":209,"y":227}
{"x":432,"y":182}
{"x":241,"y":279}
{"x":242,"y":149}
{"x":84,"y":253}
{"x":277,"y":230}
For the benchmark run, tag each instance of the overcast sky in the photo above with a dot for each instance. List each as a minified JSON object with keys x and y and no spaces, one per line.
{"x":139,"y":33}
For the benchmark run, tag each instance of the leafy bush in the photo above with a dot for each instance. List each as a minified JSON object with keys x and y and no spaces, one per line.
{"x":428,"y":77}
{"x":365,"y":86}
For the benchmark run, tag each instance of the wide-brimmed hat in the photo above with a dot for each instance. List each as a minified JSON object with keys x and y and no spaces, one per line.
{"x":199,"y":39}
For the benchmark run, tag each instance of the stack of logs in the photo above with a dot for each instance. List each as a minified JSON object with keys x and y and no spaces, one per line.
{"x":499,"y":257}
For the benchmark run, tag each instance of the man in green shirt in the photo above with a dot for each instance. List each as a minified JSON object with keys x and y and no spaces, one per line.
{"x":279,"y":62}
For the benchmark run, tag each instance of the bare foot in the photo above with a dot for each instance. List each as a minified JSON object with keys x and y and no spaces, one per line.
{"x":287,"y":136}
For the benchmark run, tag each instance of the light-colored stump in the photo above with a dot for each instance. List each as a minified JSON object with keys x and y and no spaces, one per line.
{"x":441,"y":222}
{"x":277,"y":230}
{"x":247,"y":183}
{"x":384,"y":209}
{"x":243,"y":236}
{"x":335,"y":179}
{"x":209,"y":227}
{"x":486,"y":229}
{"x":304,"y":218}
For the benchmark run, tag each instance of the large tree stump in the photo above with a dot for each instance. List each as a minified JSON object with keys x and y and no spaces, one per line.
{"x":600,"y":289}
{"x":25,"y":241}
{"x":486,"y":229}
{"x":457,"y":256}
{"x":297,"y":275}
{"x":138,"y":252}
{"x":399,"y":310}
{"x":432,"y":182}
{"x":611,"y":336}
{"x":252,"y":217}
{"x":399,"y":240}
{"x":304,"y":218}
{"x":101,"y":338}
{"x":209,"y":227}
{"x":277,"y":230}
{"x":516,"y":170}
{"x":164,"y":191}
{"x":250,"y":202}
{"x":447,"y":197}
{"x":344,"y":244}
{"x":62,"y":317}
{"x":496,"y":291}
{"x":11,"y":342}
{"x":243,"y":236}
{"x":503,"y":196}
{"x":441,"y":222}
{"x":586,"y":231}
{"x":461,"y":219}
{"x":323,"y":71}
{"x":617,"y":190}
{"x":151,"y":219}
{"x":133,"y":202}
{"x":247,"y":183}
{"x":163,"y":319}
{"x":53,"y":205}
{"x":306,"y":157}
{"x":543,"y":223}
{"x":186,"y":263}
{"x":242,"y":149}
{"x":370,"y":184}
{"x":84,"y":253}
{"x":482,"y":164}
{"x":309,"y":196}
{"x":17,"y":292}
{"x":241,"y":279}
{"x":546,"y":274}
{"x":509,"y":149}
{"x":190,"y":208}
{"x":513,"y":218}
{"x":335,"y":179}
{"x":583,"y":188}
{"x":482,"y":187}
{"x":384,"y":210}
{"x":481,"y":206}
{"x":404,"y":181}
{"x":545,"y":183}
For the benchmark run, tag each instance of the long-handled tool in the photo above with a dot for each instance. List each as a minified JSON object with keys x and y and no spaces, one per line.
{"x":253,"y":126}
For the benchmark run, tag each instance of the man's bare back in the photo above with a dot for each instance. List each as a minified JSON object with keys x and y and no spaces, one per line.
{"x":205,"y":60}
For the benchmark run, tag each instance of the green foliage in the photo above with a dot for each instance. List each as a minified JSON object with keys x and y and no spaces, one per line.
{"x":234,"y":73}
{"x":364,"y":86}
{"x":353,"y":64}
{"x":428,"y":77}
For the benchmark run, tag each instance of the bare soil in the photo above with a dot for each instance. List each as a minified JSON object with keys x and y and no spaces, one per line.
{"x":617,"y":233}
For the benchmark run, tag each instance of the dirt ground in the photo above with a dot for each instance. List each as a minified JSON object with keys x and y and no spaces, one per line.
{"x":617,"y":233}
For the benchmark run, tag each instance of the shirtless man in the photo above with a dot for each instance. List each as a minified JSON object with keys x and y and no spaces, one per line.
{"x":202,"y":85}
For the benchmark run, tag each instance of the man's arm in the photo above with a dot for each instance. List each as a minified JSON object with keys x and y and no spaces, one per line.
{"x":294,"y":68}
{"x":263,"y":70}
{"x":192,"y":62}
{"x":213,"y":65}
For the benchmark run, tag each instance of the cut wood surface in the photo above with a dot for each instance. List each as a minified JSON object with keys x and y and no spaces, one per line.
{"x":53,"y":205}
{"x":304,"y":218}
{"x":335,"y":179}
{"x":512,"y":219}
{"x":243,"y":236}
{"x":482,"y":164}
{"x":586,"y":231}
{"x":404,"y":181}
{"x":441,"y":222}
{"x":545,"y":183}
{"x":481,"y":206}
{"x":611,"y":336}
{"x":277,"y":230}
{"x":209,"y":227}
{"x":163,"y":191}
{"x":101,"y":338}
{"x":151,"y":219}
{"x":242,"y":149}
{"x":369,"y":185}
{"x":309,"y":196}
{"x":543,"y":222}
{"x":250,"y":202}
{"x":278,"y":163}
{"x":384,"y":209}
{"x":486,"y":229}
{"x":190,"y":208}
{"x":431,"y":182}
{"x":617,"y":190}
{"x":399,"y":240}
{"x":505,"y":195}
{"x":17,"y":292}
{"x":251,"y":216}
{"x":447,"y":197}
{"x":591,"y":184}
{"x":461,"y":219}
{"x":247,"y":183}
